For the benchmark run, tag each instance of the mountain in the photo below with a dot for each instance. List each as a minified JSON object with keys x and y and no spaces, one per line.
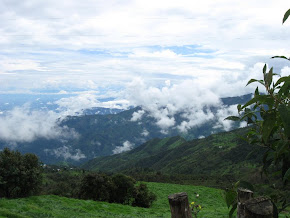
{"x":109,"y":133}
{"x":216,"y":155}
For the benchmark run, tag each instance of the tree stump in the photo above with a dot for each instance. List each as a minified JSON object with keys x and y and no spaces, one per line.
{"x":243,"y":196}
{"x":179,"y":205}
{"x":260,"y":207}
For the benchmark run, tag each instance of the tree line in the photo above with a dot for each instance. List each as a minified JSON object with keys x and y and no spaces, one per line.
{"x":24,"y":175}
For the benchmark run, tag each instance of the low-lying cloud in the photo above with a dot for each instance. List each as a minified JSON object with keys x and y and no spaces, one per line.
{"x":24,"y":125}
{"x":127,"y":146}
{"x":194,"y":103}
{"x":66,"y":153}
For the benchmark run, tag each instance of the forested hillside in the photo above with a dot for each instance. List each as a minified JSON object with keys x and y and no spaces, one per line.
{"x":102,"y":135}
{"x":218,"y":155}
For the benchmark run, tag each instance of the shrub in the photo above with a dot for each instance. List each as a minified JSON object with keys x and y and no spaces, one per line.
{"x":97,"y":187}
{"x":142,"y":196}
{"x":21,"y":175}
{"x":123,"y":189}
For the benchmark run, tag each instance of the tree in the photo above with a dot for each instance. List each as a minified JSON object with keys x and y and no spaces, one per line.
{"x":123,"y":188}
{"x":97,"y":187}
{"x":268,"y":115}
{"x":21,"y":175}
{"x":142,"y":196}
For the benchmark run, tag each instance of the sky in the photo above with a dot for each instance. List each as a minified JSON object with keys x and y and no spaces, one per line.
{"x":178,"y":54}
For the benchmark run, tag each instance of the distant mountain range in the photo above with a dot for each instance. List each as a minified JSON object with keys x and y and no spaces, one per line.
{"x":216,"y":155}
{"x":111,"y":131}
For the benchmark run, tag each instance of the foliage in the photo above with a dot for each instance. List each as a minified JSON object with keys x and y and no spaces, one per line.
{"x":55,"y":206}
{"x":123,"y":189}
{"x":142,"y":196}
{"x":195,"y":208}
{"x":268,"y":114}
{"x":100,"y":134}
{"x":63,"y":183}
{"x":222,"y":157}
{"x":21,"y":175}
{"x":76,"y":183}
{"x":231,"y":196}
{"x":97,"y":187}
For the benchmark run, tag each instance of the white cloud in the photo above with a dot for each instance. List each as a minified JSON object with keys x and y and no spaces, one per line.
{"x":158,"y":54}
{"x":66,"y":153}
{"x":145,"y":133}
{"x":164,"y":103}
{"x":136,"y":116}
{"x":87,"y":44}
{"x":202,"y":50}
{"x":127,"y":146}
{"x":224,"y":112}
{"x":285,"y":71}
{"x":23,"y":125}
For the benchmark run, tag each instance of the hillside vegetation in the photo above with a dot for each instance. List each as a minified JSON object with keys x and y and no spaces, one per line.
{"x":99,"y":135}
{"x":54,"y":206}
{"x":222,"y":154}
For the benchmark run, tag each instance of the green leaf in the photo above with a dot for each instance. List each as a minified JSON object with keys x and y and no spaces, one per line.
{"x":281,"y":57}
{"x":286,"y":175}
{"x":233,"y":118}
{"x":264,"y":69}
{"x":268,"y":125}
{"x":269,"y":77}
{"x":282,"y":79}
{"x":233,"y":210}
{"x":285,"y":117}
{"x":275,"y":210}
{"x":259,"y":98}
{"x":231,"y":197}
{"x":255,"y":80}
{"x":257,"y":91}
{"x":286,"y":15}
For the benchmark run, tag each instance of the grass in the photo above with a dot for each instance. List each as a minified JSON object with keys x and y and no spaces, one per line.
{"x":55,"y":206}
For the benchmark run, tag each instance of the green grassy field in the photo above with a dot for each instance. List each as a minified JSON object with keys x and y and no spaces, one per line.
{"x":54,"y":206}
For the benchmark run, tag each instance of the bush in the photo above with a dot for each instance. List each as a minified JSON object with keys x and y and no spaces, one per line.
{"x":118,"y":189}
{"x":61,"y":183}
{"x":142,"y":196}
{"x":123,"y":189}
{"x":21,"y":175}
{"x":97,"y":187}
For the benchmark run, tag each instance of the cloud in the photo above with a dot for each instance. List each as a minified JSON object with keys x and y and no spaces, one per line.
{"x":224,"y":112}
{"x":75,"y":105}
{"x":23,"y":125}
{"x":66,"y":153}
{"x":86,"y":44}
{"x":183,"y":106}
{"x":145,"y":133}
{"x":127,"y":146}
{"x":136,"y":116}
{"x":164,"y":103}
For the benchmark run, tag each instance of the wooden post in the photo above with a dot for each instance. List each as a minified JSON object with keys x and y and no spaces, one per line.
{"x":179,"y":205}
{"x":260,"y":207}
{"x":243,"y":196}
{"x":249,"y":207}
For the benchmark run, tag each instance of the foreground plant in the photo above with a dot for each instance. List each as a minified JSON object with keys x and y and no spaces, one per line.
{"x":268,"y":115}
{"x":195,"y":208}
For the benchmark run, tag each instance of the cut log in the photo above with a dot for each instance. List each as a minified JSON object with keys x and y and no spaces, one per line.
{"x":260,"y":207}
{"x":243,"y":196}
{"x":179,"y":205}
